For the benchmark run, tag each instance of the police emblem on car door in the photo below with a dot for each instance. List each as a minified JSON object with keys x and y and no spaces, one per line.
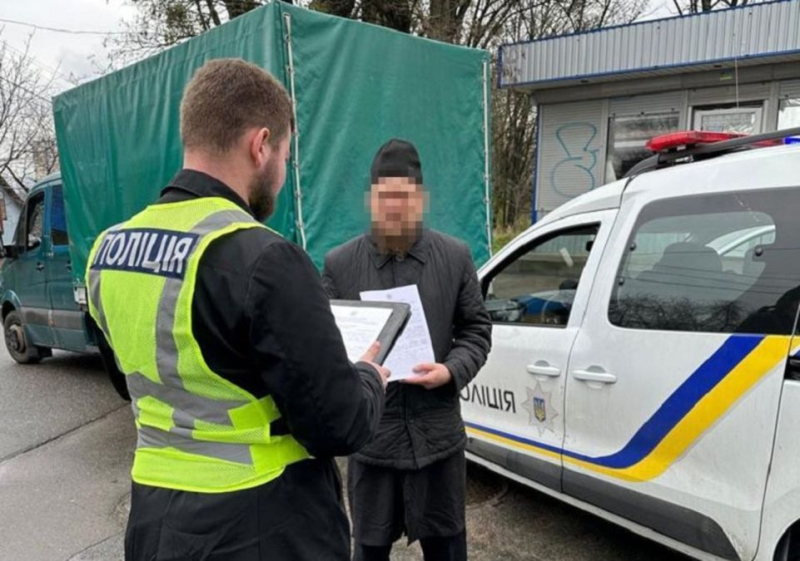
{"x":539,"y":410}
{"x":539,"y":406}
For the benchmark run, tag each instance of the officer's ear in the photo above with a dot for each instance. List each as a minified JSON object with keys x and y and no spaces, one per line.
{"x":260,"y":149}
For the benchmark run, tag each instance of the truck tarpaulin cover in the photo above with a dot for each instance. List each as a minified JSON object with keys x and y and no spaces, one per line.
{"x":355,"y":85}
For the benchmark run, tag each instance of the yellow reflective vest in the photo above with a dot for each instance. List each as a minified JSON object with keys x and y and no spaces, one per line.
{"x":196,"y":430}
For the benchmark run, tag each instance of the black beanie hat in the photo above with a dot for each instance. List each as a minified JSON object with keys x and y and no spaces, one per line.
{"x":397,"y":158}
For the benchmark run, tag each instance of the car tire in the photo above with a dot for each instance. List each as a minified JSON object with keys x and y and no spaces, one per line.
{"x":788,"y":549}
{"x":17,"y":341}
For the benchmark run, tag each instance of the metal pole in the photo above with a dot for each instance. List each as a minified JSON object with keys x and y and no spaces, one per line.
{"x":298,"y":193}
{"x":486,"y":179}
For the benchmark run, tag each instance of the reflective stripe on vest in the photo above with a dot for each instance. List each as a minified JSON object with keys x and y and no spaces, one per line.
{"x":196,"y":430}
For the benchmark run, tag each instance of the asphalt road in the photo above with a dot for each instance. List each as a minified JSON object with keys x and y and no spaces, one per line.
{"x":66,"y":443}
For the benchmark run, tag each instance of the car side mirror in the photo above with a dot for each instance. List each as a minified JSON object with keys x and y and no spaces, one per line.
{"x":506,"y":310}
{"x":568,"y":284}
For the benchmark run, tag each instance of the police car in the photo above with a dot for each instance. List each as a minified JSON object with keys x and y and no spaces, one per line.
{"x":656,"y":380}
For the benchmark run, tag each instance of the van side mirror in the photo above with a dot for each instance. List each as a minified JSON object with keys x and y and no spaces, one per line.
{"x":10,"y":251}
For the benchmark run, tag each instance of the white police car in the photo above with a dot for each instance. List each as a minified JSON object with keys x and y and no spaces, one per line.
{"x":642,"y":365}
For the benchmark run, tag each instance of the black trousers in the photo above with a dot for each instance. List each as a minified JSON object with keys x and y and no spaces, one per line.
{"x":298,"y":517}
{"x":427,"y":505}
{"x":452,"y":548}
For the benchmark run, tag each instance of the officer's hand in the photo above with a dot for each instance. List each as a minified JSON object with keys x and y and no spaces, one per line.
{"x":370,"y":356}
{"x":430,"y":376}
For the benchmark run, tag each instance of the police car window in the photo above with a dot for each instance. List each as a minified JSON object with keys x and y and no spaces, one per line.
{"x":58,"y":220}
{"x":537,"y":285}
{"x":720,"y":263}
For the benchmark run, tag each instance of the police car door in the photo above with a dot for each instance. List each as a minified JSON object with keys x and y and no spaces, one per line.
{"x":536,"y":293}
{"x":675,"y":377}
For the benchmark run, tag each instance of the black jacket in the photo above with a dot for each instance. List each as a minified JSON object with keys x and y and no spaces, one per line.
{"x":421,"y":426}
{"x":263,"y":321}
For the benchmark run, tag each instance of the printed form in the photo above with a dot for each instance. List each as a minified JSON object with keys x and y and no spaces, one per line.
{"x":414,"y":345}
{"x":360,"y":327}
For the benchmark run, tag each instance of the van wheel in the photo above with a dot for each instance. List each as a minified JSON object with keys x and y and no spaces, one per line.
{"x":110,"y":365}
{"x":17,"y":342}
{"x":117,"y":378}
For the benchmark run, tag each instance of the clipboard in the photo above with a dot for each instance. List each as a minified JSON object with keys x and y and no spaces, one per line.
{"x":400,"y":312}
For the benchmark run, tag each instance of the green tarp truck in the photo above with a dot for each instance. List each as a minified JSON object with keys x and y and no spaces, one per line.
{"x":353,"y":85}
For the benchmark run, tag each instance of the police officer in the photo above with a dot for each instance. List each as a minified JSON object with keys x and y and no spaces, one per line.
{"x":241,"y":388}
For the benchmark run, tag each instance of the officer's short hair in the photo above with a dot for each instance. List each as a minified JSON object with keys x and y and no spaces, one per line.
{"x":228,"y":96}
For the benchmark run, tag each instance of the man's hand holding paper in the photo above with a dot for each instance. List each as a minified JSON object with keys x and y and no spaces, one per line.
{"x":430,"y":376}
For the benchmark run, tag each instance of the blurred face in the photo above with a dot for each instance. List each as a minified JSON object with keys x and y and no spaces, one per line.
{"x":269,"y":177}
{"x":397,"y":206}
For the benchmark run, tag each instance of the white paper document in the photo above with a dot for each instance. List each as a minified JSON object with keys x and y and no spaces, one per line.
{"x":414,"y":345}
{"x":360,"y":327}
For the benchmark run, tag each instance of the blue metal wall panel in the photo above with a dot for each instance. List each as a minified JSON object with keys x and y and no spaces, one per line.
{"x":757,"y":30}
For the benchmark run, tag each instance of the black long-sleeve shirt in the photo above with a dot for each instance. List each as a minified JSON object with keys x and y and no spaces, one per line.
{"x":263,"y":321}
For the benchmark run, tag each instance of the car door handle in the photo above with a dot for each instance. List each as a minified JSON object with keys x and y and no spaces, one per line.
{"x":543,"y":369}
{"x":40,"y":266}
{"x":69,"y":266}
{"x":596,"y":375}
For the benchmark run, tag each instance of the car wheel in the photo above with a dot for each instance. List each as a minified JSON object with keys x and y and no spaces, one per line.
{"x":788,"y":549}
{"x":17,"y":341}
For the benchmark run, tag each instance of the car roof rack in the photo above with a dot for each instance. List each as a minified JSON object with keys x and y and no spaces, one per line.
{"x":694,"y":146}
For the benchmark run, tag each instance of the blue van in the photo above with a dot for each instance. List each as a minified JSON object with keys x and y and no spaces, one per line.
{"x":41,"y":309}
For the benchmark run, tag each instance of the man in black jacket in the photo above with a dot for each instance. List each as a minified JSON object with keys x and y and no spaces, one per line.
{"x":412,"y":478}
{"x":263,"y":323}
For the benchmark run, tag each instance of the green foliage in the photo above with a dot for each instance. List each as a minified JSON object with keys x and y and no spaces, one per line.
{"x":503,"y":235}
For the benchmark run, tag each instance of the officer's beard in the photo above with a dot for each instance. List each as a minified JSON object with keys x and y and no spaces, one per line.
{"x":262,"y":193}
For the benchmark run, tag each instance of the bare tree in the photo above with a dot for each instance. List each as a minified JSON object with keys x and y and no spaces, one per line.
{"x":341,"y":8}
{"x":27,"y":137}
{"x":394,"y":14}
{"x":514,"y":134}
{"x":159,"y":24}
{"x":698,"y":6}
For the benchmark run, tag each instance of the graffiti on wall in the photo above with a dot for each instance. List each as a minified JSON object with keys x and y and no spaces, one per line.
{"x":575,"y":173}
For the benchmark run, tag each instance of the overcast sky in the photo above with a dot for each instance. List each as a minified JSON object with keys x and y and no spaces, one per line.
{"x":71,"y":53}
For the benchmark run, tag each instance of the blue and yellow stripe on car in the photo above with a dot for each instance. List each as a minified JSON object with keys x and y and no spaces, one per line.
{"x":703,"y":398}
